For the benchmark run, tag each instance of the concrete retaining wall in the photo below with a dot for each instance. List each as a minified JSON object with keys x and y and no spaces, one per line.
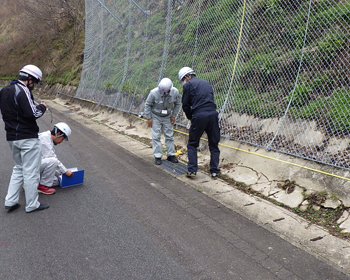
{"x":246,"y":163}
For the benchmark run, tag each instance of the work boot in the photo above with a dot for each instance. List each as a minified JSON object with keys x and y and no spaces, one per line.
{"x":172,"y":159}
{"x":158,"y":161}
{"x":42,"y":206}
{"x":13,"y":207}
{"x":191,"y":174}
{"x":45,"y":190}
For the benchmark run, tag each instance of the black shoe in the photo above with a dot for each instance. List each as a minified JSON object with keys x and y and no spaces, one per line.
{"x":42,"y":206}
{"x":214,"y":175}
{"x":13,"y":207}
{"x":191,"y":174}
{"x":172,"y":159}
{"x":158,"y":161}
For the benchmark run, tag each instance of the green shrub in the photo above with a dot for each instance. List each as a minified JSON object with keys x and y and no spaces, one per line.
{"x":322,"y":84}
{"x":128,"y":88}
{"x":259,"y":105}
{"x":339,"y":110}
{"x":333,"y":110}
{"x":333,"y":43}
{"x":300,"y":96}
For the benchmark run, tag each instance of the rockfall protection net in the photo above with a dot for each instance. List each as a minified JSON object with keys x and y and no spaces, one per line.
{"x":280,"y":69}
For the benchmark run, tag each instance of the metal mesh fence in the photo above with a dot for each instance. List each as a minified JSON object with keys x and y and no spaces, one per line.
{"x":279,"y":68}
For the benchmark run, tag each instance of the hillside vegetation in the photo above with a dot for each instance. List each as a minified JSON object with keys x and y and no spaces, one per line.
{"x":50,"y":34}
{"x":47,"y":33}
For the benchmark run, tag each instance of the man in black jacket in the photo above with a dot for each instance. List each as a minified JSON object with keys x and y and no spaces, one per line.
{"x":19,"y":115}
{"x":199,"y":107}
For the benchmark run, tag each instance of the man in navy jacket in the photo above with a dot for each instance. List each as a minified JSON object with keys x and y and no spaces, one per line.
{"x":19,"y":114}
{"x":200,"y":108}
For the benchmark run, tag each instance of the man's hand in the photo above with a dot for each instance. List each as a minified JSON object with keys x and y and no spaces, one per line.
{"x":43,"y":103}
{"x":69,"y":173}
{"x":172,"y":120}
{"x":150,"y":122}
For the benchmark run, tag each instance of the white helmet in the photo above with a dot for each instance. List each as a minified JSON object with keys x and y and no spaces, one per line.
{"x":184,"y":71}
{"x":165,"y":86}
{"x":31,"y":70}
{"x":63,"y":127}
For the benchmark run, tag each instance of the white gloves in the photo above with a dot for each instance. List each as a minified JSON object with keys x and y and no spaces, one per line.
{"x":188,"y":125}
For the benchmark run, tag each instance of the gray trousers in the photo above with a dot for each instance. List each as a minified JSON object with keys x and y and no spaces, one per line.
{"x":159,"y":124}
{"x":49,"y":172}
{"x":26,"y":154}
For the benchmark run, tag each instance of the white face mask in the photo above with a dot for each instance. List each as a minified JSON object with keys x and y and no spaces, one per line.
{"x":185,"y":80}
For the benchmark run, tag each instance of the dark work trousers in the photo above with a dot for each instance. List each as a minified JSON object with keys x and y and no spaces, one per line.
{"x":205,"y":121}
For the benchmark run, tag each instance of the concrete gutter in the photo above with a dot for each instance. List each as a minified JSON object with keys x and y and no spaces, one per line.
{"x":289,"y":226}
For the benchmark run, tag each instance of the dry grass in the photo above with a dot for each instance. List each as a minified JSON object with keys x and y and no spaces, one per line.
{"x":48,"y":34}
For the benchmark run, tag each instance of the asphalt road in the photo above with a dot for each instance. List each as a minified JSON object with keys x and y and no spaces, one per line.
{"x":133,"y":220}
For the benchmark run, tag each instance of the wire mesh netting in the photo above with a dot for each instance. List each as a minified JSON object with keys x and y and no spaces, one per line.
{"x":279,"y":68}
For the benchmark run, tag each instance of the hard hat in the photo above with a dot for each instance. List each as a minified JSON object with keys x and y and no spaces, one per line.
{"x":31,"y":70}
{"x":184,"y":71}
{"x":64,"y":128}
{"x":165,"y":86}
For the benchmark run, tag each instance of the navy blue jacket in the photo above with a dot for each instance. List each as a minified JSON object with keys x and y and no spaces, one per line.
{"x":198,"y":95}
{"x":19,"y":112}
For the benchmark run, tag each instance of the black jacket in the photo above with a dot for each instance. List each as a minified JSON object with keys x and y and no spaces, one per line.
{"x":198,"y":95}
{"x":19,"y":112}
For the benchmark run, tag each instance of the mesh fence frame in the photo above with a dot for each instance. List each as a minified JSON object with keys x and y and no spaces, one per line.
{"x":279,"y":69}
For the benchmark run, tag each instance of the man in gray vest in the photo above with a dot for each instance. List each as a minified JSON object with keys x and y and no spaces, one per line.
{"x":161,"y":108}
